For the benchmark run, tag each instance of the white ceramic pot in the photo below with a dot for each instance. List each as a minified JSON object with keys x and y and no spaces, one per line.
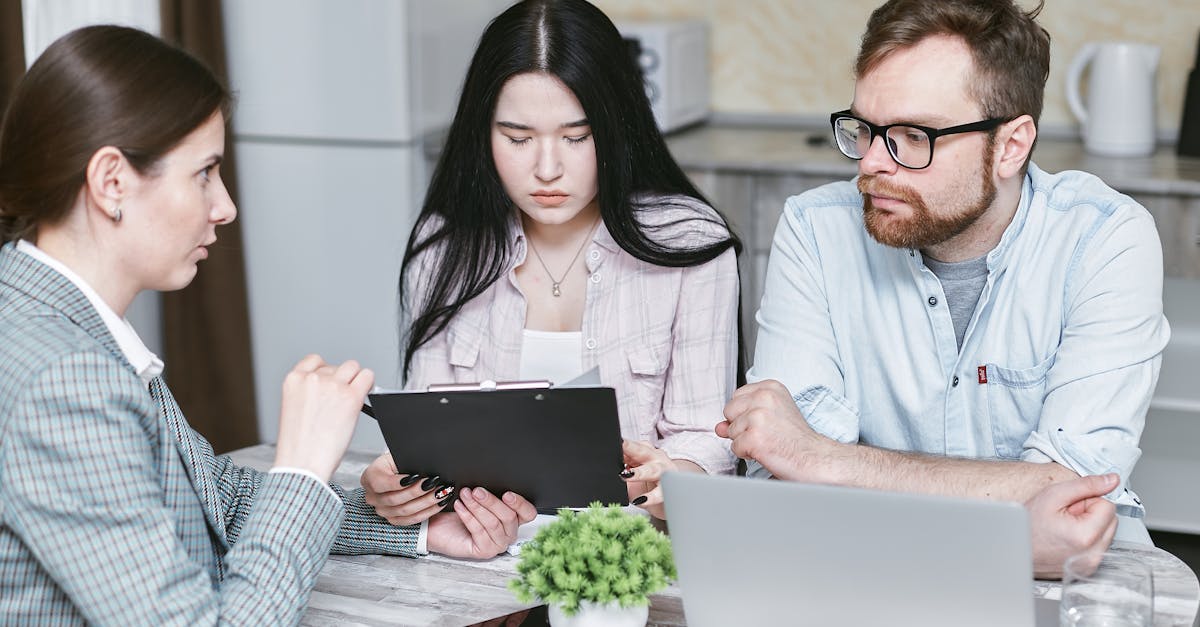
{"x":608,"y":615}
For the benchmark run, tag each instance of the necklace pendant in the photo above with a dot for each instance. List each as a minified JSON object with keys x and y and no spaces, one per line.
{"x":555,"y":290}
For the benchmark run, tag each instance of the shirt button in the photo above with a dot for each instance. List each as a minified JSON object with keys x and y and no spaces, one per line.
{"x":954,"y":382}
{"x":590,"y":343}
{"x":596,"y":278}
{"x":933,"y":301}
{"x":594,"y":255}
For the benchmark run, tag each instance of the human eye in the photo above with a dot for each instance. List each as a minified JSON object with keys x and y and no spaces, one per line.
{"x":517,"y":141}
{"x":915,"y":136}
{"x":578,"y":139}
{"x":206,"y":173}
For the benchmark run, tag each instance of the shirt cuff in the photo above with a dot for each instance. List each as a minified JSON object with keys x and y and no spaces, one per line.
{"x":423,"y":539}
{"x":306,"y":473}
{"x":1081,"y":455}
{"x":828,"y":414}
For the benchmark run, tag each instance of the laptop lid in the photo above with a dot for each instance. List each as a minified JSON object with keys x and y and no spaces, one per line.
{"x":759,"y":552}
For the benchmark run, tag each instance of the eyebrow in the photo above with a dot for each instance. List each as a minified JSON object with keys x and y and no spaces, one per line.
{"x":933,"y":120}
{"x":213,"y":159}
{"x":524,"y":127}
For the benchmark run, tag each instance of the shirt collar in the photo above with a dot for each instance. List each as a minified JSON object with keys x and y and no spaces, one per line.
{"x":998,"y":257}
{"x":144,"y":362}
{"x":601,"y":237}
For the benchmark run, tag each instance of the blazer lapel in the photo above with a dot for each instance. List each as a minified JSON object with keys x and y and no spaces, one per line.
{"x":196,"y":459}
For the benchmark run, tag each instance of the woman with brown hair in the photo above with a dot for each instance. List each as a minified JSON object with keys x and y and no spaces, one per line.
{"x":112,"y":510}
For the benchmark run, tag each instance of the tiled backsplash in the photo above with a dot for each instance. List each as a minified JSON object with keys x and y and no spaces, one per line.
{"x":794,"y":57}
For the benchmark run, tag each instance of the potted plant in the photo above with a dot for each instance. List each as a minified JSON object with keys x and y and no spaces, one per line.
{"x":599,"y":560}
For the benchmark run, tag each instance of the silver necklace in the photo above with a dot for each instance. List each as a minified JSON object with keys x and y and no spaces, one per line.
{"x":555,"y":287}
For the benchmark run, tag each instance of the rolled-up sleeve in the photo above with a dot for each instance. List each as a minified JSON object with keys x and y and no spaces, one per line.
{"x":1106,"y":367}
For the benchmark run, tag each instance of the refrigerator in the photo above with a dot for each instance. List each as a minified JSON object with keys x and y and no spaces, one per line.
{"x":333,"y":102}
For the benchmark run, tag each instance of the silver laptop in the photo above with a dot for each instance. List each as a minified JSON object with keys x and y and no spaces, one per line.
{"x":758,"y":552}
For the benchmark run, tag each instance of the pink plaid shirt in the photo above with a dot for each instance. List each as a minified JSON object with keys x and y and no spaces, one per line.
{"x":664,"y":338}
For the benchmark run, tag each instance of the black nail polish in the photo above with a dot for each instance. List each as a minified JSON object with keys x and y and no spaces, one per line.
{"x":639,"y":500}
{"x":409,"y":480}
{"x":627,"y":473}
{"x":442,"y":503}
{"x":443,"y":492}
{"x":429,"y":483}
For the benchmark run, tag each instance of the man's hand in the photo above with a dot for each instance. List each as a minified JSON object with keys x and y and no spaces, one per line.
{"x":481,"y":525}
{"x":766,"y":426}
{"x":1070,"y":517}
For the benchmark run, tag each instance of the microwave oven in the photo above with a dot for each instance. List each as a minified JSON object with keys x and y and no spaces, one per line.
{"x":673,"y":57}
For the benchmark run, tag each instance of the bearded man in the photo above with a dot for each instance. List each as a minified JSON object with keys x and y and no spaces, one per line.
{"x":955,"y":320}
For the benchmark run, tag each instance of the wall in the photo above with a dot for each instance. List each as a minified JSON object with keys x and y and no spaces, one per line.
{"x":793,"y":58}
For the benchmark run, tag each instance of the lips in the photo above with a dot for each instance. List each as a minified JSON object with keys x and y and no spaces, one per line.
{"x":549,"y":198}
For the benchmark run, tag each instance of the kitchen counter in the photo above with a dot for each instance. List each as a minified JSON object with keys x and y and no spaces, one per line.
{"x":760,"y":149}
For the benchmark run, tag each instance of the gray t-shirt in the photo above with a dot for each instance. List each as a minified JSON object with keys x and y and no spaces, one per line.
{"x":963,"y":282}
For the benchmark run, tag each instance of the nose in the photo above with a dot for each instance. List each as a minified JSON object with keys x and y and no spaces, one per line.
{"x":223,"y":209}
{"x":877,"y":160}
{"x":549,"y":164}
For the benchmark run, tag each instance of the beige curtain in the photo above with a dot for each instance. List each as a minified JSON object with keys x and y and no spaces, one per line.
{"x":206,"y":327}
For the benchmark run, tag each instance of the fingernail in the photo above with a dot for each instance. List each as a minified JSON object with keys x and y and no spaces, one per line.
{"x":443,"y":493}
{"x":627,"y":473}
{"x":442,"y":503}
{"x":409,"y":480}
{"x":429,"y":483}
{"x":639,"y":500}
{"x":509,"y":497}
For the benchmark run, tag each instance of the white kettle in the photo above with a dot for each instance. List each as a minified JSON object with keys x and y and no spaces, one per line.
{"x":1119,"y":119}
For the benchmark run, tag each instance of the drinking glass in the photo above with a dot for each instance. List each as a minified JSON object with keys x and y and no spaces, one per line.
{"x":1106,"y":590}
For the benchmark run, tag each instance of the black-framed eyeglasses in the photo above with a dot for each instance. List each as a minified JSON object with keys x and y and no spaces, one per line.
{"x":910,"y":145}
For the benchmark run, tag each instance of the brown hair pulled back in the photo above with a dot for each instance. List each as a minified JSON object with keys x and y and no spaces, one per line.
{"x":94,"y":87}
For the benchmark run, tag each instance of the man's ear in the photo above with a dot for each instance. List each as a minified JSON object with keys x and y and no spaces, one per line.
{"x":1014,"y":143}
{"x":107,"y":179}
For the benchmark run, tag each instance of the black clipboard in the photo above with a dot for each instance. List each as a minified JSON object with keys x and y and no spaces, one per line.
{"x":557,"y":447}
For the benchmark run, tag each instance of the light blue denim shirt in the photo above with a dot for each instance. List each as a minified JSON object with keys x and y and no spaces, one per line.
{"x":1059,"y":359}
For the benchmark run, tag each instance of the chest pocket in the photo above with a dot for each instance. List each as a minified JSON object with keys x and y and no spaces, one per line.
{"x":464,"y":352}
{"x":648,"y":367}
{"x":1015,"y":397}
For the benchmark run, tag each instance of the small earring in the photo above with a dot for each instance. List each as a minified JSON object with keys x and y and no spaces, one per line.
{"x":116,"y":214}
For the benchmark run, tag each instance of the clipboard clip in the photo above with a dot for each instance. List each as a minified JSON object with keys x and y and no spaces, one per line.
{"x":490,"y":386}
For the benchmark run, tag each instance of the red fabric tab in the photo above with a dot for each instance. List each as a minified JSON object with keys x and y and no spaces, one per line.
{"x":982,"y":370}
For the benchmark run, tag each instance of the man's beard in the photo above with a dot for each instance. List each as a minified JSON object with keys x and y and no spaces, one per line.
{"x":922,"y":229}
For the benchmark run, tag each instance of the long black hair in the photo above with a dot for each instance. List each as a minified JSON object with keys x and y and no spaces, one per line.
{"x":467,"y":215}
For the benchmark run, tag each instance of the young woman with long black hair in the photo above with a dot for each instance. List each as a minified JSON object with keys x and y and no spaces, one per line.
{"x":558,"y":235}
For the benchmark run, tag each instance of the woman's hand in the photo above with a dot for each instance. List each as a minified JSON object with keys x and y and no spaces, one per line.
{"x":319,"y":410}
{"x":481,"y":525}
{"x":644,"y":468}
{"x":403,"y":499}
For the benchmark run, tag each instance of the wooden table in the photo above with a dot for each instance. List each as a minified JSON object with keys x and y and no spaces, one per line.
{"x":435,"y":590}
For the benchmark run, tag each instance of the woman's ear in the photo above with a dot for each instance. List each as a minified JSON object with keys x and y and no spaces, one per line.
{"x":1016,"y":139}
{"x":107,"y":180}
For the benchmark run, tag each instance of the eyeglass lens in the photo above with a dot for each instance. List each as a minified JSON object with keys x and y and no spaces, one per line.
{"x":909,"y":146}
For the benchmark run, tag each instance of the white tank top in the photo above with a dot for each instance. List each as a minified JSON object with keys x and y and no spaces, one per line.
{"x":553,"y":355}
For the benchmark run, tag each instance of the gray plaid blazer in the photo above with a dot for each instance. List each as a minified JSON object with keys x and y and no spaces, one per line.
{"x":114,"y":511}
